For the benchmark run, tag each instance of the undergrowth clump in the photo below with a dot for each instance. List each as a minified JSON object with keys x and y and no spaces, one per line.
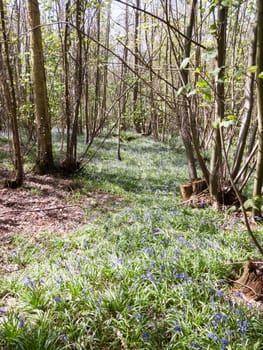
{"x":149,"y":275}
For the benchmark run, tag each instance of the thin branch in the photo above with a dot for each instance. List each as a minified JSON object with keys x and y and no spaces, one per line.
{"x":38,"y":210}
{"x":249,"y":230}
{"x":163,"y":21}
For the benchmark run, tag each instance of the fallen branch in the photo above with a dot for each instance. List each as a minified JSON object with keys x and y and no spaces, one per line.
{"x":38,"y":210}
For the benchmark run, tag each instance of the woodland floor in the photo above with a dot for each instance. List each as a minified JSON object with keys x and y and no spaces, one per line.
{"x":48,"y":203}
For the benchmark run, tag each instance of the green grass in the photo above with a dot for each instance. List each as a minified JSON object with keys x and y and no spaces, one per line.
{"x":151,"y":274}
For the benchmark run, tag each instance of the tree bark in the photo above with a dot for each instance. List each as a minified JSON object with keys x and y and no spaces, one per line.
{"x":136,"y":109}
{"x":248,"y":107}
{"x":7,"y":82}
{"x":216,"y":157}
{"x":185,"y":121}
{"x":258,"y":181}
{"x":44,"y":161}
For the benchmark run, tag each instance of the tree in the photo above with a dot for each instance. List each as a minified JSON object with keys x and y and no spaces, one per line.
{"x":215,"y":184}
{"x":44,"y":160}
{"x":257,"y":191}
{"x":8,"y":86}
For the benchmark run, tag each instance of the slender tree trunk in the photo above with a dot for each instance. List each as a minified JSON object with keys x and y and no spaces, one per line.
{"x":67,"y":109}
{"x":105,"y":68}
{"x":123,"y":123}
{"x":97,"y":104}
{"x":44,"y":161}
{"x":258,"y":181}
{"x":7,"y":82}
{"x":71,"y":161}
{"x":248,"y":107}
{"x":136,"y":110}
{"x":185,"y":122}
{"x":216,"y":157}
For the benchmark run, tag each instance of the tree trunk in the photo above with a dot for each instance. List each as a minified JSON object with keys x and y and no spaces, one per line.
{"x":185,"y":122}
{"x":259,"y":61}
{"x":136,"y":109}
{"x":44,"y":161}
{"x":71,"y":158}
{"x":7,"y":82}
{"x":97,"y":104}
{"x":216,"y":157}
{"x":248,"y":107}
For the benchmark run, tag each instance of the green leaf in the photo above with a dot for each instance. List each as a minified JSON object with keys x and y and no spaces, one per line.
{"x":207,"y":96}
{"x":210,"y":53}
{"x":212,"y":28}
{"x":216,"y":124}
{"x":231,"y":117}
{"x":226,"y":123}
{"x":252,"y":69}
{"x":202,"y":84}
{"x":185,"y":63}
{"x":260,"y":75}
{"x":250,"y":203}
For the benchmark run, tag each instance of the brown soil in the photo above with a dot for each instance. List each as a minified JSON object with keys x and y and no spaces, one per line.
{"x":49,"y":204}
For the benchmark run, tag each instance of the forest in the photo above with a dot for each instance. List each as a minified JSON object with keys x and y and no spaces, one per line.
{"x":131,"y":148}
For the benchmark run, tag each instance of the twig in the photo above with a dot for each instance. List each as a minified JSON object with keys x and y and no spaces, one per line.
{"x":246,"y":286}
{"x":238,"y":195}
{"x":38,"y":210}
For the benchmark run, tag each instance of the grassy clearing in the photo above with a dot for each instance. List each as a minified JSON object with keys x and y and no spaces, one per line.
{"x":149,"y":275}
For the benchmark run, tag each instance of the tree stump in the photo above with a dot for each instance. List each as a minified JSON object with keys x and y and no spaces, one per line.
{"x":199,"y":186}
{"x":192,"y":188}
{"x":186,"y":190}
{"x":251,"y":281}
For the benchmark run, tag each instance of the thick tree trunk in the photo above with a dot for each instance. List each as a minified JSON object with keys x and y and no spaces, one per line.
{"x":44,"y":161}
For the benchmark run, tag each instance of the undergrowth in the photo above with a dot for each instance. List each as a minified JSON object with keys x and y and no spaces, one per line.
{"x":151,"y":274}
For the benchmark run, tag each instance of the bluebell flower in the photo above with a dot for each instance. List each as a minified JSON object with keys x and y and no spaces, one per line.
{"x":229,"y":332}
{"x":58,"y":300}
{"x":149,"y":250}
{"x":195,"y":344}
{"x":242,"y":326}
{"x":64,"y":337}
{"x":145,"y":336}
{"x":224,"y":341}
{"x":21,"y":322}
{"x":2,"y":312}
{"x":138,"y":316}
{"x":212,"y":336}
{"x":219,"y":294}
{"x":178,"y":328}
